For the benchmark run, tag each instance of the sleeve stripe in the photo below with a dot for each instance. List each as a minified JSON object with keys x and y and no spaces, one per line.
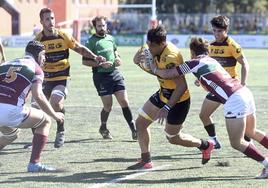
{"x":184,"y":68}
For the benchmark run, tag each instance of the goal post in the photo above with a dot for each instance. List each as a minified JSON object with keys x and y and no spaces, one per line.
{"x":76,"y":24}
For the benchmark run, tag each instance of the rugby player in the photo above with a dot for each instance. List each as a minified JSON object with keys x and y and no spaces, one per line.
{"x":227,"y":52}
{"x":172,"y":101}
{"x":108,"y":80}
{"x":17,"y":78}
{"x":239,"y":105}
{"x":57,"y":67}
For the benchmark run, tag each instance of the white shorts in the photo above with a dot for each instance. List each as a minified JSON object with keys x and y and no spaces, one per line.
{"x":11,"y":115}
{"x":240,"y":104}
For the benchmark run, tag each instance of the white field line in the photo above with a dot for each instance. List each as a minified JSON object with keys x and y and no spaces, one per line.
{"x":128,"y":177}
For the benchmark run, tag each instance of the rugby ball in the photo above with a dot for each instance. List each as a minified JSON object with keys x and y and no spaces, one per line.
{"x":148,"y":59}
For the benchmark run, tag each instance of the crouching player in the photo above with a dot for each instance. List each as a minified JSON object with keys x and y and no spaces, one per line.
{"x":239,"y":105}
{"x":17,"y":79}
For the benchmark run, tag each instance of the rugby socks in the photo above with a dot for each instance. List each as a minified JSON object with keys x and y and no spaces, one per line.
{"x":39,"y":142}
{"x":264,"y":141}
{"x":60,"y":125}
{"x":146,"y":157}
{"x":252,"y":152}
{"x":211,"y":130}
{"x":129,"y":118}
{"x":204,"y":145}
{"x":104,"y":118}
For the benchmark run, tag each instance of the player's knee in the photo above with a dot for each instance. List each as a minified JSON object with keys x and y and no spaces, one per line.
{"x":202,"y":115}
{"x":107,"y":108}
{"x":11,"y":136}
{"x":235,"y":144}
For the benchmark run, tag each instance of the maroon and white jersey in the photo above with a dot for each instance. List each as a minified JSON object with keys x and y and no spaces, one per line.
{"x":16,"y":79}
{"x":212,"y":76}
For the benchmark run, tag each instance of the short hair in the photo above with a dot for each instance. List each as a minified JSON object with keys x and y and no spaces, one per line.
{"x":220,"y":22}
{"x":199,"y":46}
{"x":157,"y":35}
{"x":98,"y":18}
{"x":33,"y":48}
{"x":44,"y":11}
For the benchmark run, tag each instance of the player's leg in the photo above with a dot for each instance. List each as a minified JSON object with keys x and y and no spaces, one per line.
{"x":239,"y":109}
{"x":41,"y":122}
{"x":209,"y":106}
{"x":57,"y":98}
{"x":121,"y":96}
{"x":254,"y":133}
{"x":9,"y":134}
{"x":175,"y":119}
{"x":145,"y":118}
{"x":107,"y":101}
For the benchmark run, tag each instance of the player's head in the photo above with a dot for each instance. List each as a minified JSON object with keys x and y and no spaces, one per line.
{"x":33,"y":49}
{"x":220,"y":25}
{"x":199,"y":46}
{"x":156,"y":39}
{"x":100,"y":25}
{"x":47,"y":19}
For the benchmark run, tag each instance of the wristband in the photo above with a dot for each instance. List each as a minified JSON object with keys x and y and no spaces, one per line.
{"x":166,"y":107}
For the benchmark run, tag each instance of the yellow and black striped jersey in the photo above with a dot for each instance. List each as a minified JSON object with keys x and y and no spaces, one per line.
{"x":226,"y":53}
{"x":169,"y":58}
{"x":57,"y":66}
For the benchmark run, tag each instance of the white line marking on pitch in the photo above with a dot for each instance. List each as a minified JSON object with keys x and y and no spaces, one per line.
{"x":128,"y":177}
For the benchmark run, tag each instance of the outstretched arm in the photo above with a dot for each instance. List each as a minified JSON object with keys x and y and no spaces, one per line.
{"x":165,"y":73}
{"x":84,"y":51}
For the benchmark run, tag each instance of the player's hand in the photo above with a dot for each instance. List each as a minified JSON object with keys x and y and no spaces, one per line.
{"x":59,"y":117}
{"x":106,"y":64}
{"x":139,"y":57}
{"x":118,"y":62}
{"x":100,"y":58}
{"x":197,"y":83}
{"x":161,"y":115}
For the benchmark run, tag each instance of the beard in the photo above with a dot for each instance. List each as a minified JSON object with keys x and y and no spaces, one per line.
{"x":101,"y":32}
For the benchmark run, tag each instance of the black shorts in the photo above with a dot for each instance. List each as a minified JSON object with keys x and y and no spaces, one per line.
{"x":177,"y":113}
{"x":48,"y":86}
{"x":212,"y":97}
{"x":108,"y":83}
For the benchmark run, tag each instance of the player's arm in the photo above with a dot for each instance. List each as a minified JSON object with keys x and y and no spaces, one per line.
{"x":181,"y":87}
{"x":118,"y":61}
{"x":2,"y":53}
{"x":42,"y":101}
{"x":95,"y":63}
{"x":244,"y":68}
{"x":164,"y":73}
{"x":85,"y":52}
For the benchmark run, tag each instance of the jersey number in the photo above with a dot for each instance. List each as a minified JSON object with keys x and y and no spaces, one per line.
{"x":11,"y":75}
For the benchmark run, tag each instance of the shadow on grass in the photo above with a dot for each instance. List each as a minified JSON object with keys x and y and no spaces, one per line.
{"x":116,"y":176}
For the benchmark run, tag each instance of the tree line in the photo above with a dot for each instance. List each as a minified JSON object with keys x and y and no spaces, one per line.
{"x":202,"y":6}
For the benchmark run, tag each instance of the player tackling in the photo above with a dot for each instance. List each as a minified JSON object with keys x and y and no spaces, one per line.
{"x":239,"y":105}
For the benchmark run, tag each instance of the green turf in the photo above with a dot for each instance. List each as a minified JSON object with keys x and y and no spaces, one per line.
{"x":87,"y":160}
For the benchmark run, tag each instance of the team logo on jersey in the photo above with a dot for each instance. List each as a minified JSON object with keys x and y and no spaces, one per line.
{"x":53,"y":46}
{"x":217,"y":51}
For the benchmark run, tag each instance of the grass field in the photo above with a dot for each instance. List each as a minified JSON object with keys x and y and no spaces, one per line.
{"x":89,"y":161}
